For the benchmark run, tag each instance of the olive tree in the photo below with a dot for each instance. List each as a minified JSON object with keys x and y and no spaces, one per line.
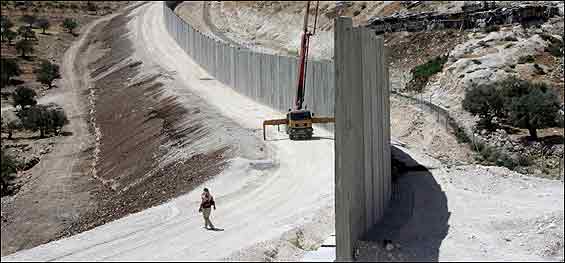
{"x":10,"y":69}
{"x":43,"y":118}
{"x":47,"y":72}
{"x":70,"y":24}
{"x":24,"y":96}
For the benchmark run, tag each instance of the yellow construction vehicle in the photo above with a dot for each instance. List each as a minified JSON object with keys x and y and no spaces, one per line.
{"x":299,"y":121}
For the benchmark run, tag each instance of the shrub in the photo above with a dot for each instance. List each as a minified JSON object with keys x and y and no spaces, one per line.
{"x":24,"y":47}
{"x":91,"y":7}
{"x":525,"y":160}
{"x":526,"y":59}
{"x":9,"y":126}
{"x":47,"y":72}
{"x":510,"y":38}
{"x":45,"y":118}
{"x":421,"y":73}
{"x":539,"y":70}
{"x":9,"y":35}
{"x":24,"y":96}
{"x":8,"y":169}
{"x":5,"y":23}
{"x":10,"y":69}
{"x":70,"y":24}
{"x":43,"y":23}
{"x":491,"y":28}
{"x":486,"y":102}
{"x":28,"y":19}
{"x":430,"y":68}
{"x":26,"y":33}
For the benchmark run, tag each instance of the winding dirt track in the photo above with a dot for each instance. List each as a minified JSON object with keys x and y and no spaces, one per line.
{"x":257,"y":200}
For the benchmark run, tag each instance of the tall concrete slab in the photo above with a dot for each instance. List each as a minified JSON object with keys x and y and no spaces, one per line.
{"x":362,"y":161}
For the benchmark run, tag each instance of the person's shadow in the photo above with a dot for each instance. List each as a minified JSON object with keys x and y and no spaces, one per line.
{"x":416,"y":219}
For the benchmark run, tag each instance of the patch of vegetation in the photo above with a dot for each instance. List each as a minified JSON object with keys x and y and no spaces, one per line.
{"x":8,"y":166}
{"x":484,"y":101}
{"x":43,"y":118}
{"x":90,"y":6}
{"x":23,"y":97}
{"x":29,"y":20}
{"x":43,"y":23}
{"x":429,"y":68}
{"x":555,"y":47}
{"x":9,"y":35}
{"x":539,"y":70}
{"x":70,"y":24}
{"x":526,"y":59}
{"x":26,"y":33}
{"x":519,"y":103}
{"x":47,"y":73}
{"x":10,"y":69}
{"x":421,"y":73}
{"x":510,"y":38}
{"x":491,"y":28}
{"x":491,"y":156}
{"x":5,"y":23}
{"x":9,"y":126}
{"x":25,"y":47}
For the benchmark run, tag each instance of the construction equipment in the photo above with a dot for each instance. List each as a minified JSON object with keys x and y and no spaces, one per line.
{"x":299,"y":121}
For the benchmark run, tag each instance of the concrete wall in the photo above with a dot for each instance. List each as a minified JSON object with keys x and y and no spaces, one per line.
{"x":362,"y":134}
{"x":269,"y":79}
{"x":362,"y":128}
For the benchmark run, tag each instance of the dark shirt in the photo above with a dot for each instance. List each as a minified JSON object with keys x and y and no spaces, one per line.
{"x":208,"y":202}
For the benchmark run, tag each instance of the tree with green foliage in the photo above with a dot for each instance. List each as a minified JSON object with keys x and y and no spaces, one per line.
{"x":29,"y":20}
{"x":24,"y":47}
{"x":45,"y":118}
{"x":70,"y":24}
{"x":9,"y":126}
{"x":5,"y":23}
{"x":486,"y":102}
{"x":10,"y":69}
{"x":9,"y":35}
{"x":43,"y":23}
{"x":520,"y":103}
{"x":90,"y":6}
{"x":26,"y":33}
{"x":24,"y":96}
{"x":8,"y":171}
{"x":536,"y":110}
{"x":47,"y":72}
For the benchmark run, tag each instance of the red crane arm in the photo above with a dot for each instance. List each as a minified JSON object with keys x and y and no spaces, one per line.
{"x":304,"y":44}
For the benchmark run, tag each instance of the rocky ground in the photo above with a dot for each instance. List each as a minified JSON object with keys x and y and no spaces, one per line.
{"x":477,"y":56}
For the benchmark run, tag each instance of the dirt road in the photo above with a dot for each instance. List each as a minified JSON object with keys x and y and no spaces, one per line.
{"x":257,"y":200}
{"x":60,"y":180}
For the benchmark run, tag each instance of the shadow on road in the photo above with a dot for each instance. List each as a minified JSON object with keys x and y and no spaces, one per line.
{"x":417,"y":218}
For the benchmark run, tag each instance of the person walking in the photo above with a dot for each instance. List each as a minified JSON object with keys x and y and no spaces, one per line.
{"x":206,"y":208}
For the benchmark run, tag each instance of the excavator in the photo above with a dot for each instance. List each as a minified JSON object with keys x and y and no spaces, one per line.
{"x":299,"y":121}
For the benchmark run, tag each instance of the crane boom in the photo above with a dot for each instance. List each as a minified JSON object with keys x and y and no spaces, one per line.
{"x":299,"y":121}
{"x":304,"y":45}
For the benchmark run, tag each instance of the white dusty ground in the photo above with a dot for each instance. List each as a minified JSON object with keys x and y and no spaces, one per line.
{"x":260,"y":201}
